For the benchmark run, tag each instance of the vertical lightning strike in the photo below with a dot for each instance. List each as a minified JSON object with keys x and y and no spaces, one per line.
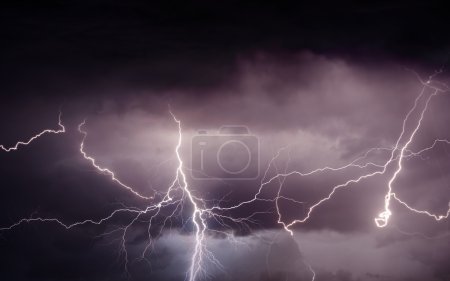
{"x":312,"y":272}
{"x":383,"y":218}
{"x":197,"y":215}
{"x":179,"y":183}
{"x":61,"y":129}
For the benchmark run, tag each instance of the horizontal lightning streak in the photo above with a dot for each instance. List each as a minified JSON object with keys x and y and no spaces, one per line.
{"x":436,"y":217}
{"x":61,"y":129}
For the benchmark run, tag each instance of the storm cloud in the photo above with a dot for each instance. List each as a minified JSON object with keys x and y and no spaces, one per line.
{"x":316,"y":96}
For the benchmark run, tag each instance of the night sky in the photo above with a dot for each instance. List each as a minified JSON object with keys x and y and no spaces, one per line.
{"x":316,"y":84}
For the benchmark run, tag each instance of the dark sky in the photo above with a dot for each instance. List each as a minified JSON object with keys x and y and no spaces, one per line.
{"x":324,"y":81}
{"x":195,"y":44}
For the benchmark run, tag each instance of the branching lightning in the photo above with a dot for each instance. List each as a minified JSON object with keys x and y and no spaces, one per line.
{"x":180,"y":192}
{"x":197,"y":215}
{"x":398,"y":153}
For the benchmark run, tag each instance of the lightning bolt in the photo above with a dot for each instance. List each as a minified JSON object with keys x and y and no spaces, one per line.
{"x":180,"y":192}
{"x":104,"y":170}
{"x":197,"y":215}
{"x":170,"y":198}
{"x":383,"y":218}
{"x":61,"y":129}
{"x":398,"y":153}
